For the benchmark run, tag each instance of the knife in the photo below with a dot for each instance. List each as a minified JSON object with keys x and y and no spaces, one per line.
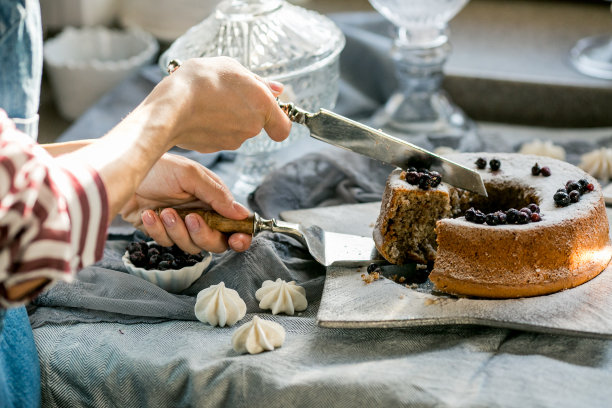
{"x":329,"y":127}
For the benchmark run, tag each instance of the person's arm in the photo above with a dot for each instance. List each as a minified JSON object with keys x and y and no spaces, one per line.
{"x":57,"y":149}
{"x":207,"y":105}
{"x":52,"y":220}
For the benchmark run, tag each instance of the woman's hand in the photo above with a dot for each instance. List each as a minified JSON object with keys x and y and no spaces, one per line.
{"x":214,"y":104}
{"x":177,"y":181}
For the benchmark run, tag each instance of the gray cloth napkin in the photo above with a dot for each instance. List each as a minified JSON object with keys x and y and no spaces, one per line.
{"x":106,"y":292}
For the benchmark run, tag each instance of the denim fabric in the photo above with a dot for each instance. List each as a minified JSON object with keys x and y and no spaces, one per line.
{"x":19,"y":367}
{"x":20,"y":76}
{"x":21,"y":62}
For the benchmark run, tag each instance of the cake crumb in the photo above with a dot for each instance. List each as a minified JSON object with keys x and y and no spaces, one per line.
{"x":370,"y":277}
{"x":401,"y":296}
{"x":429,"y":301}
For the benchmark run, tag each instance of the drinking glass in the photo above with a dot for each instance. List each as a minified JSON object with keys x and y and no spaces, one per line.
{"x":420,"y":50}
{"x":593,"y":56}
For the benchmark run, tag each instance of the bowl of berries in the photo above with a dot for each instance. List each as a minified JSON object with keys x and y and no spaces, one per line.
{"x":170,"y":268}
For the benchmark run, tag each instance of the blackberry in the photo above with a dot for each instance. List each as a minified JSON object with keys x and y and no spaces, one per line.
{"x":167,"y":256}
{"x":157,"y":246}
{"x":372,"y":267}
{"x":526,"y":211}
{"x":523,"y":218}
{"x":536,"y":169}
{"x":138,"y":258}
{"x":512,"y":216}
{"x":545,"y":171}
{"x":424,"y":181}
{"x":470,"y":215}
{"x":572,"y":185}
{"x":561,"y":190}
{"x":494,"y":164}
{"x":574,"y":196}
{"x":153,"y":261}
{"x":412,"y":169}
{"x":561,"y":199}
{"x":534,"y":208}
{"x":481,"y":163}
{"x":133,"y":247}
{"x":479,"y":218}
{"x":152,"y":251}
{"x":492,"y":219}
{"x":436,"y":179}
{"x":583,"y":185}
{"x":163,"y":265}
{"x":412,"y":177}
{"x":501,"y":216}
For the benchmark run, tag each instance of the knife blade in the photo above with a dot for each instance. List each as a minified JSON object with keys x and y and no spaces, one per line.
{"x":329,"y":127}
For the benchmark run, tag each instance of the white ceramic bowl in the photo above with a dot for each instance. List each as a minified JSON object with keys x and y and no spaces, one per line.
{"x":172,"y":280}
{"x":83,"y":64}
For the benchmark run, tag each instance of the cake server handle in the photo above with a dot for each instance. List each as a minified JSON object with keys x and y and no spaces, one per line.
{"x":254,"y":224}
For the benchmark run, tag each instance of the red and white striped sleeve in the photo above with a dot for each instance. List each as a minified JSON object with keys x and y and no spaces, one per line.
{"x":53,"y":214}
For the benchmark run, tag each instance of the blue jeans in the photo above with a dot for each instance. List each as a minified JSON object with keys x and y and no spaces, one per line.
{"x":21,"y":62}
{"x":20,"y":76}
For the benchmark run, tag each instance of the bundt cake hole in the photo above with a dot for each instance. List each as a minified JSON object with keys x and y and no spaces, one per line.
{"x":501,"y":197}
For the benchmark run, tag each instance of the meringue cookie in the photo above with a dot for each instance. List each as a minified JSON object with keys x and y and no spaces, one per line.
{"x":281,"y":297}
{"x":219,"y":306}
{"x":598,"y":163}
{"x":546,"y":148}
{"x":444,"y":150}
{"x":258,"y":335}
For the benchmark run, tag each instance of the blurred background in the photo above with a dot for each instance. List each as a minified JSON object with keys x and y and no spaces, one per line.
{"x":500,"y":48}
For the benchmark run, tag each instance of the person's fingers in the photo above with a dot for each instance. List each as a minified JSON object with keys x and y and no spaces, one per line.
{"x":274,"y":86}
{"x":203,"y":236}
{"x":154,"y":228}
{"x":177,"y":231}
{"x":239,"y":242}
{"x":277,"y":124}
{"x":215,"y":193}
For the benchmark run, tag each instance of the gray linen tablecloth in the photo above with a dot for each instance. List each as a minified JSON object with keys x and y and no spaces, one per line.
{"x":111,"y":339}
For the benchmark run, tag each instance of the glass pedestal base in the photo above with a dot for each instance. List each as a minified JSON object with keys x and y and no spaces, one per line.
{"x":252,"y":169}
{"x":430,"y":116}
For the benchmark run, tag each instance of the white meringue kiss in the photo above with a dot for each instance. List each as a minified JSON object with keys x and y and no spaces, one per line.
{"x":546,"y":148}
{"x":598,"y":163}
{"x":219,"y":306}
{"x":281,"y":297}
{"x":258,"y":335}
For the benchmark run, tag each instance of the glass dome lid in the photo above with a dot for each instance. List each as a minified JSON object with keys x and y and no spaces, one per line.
{"x":272,"y":38}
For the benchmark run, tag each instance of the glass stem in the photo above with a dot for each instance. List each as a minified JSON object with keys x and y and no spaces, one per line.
{"x":419,"y":60}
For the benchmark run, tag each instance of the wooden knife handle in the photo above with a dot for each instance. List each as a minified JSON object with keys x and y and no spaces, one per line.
{"x":217,"y":221}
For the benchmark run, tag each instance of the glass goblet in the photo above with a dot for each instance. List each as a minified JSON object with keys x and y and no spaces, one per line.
{"x":593,"y":56}
{"x":420,"y":50}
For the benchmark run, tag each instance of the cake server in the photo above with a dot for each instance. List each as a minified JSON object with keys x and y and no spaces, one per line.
{"x":339,"y":131}
{"x":325,"y":247}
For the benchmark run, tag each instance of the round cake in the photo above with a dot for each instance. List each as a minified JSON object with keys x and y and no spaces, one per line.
{"x":567,"y":244}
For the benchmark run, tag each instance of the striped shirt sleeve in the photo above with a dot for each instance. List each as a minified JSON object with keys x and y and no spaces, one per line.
{"x":53,"y":214}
